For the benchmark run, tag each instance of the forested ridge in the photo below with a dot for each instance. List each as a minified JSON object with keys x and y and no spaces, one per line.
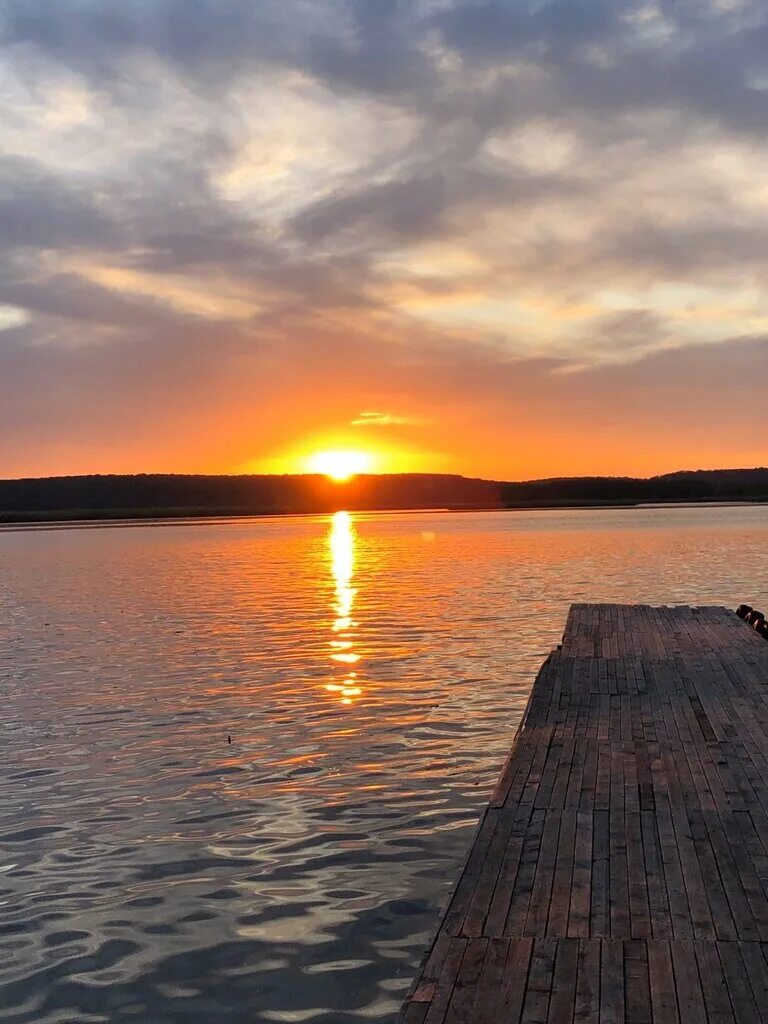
{"x":181,"y":494}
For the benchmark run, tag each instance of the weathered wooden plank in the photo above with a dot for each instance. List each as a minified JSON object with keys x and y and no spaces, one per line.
{"x":637,"y":983}
{"x":599,"y":915}
{"x":578,"y":911}
{"x":540,"y":977}
{"x":516,"y":975}
{"x":462,"y":897}
{"x":485,"y":1008}
{"x":445,"y":982}
{"x":690,"y":995}
{"x":612,"y":1002}
{"x":562,"y":885}
{"x":753,"y":957}
{"x":716,"y":999}
{"x":465,"y":987}
{"x":415,"y":1013}
{"x":541,"y":892}
{"x":563,"y":998}
{"x":498,"y":909}
{"x":662,"y":983}
{"x":521,"y":894}
{"x":737,"y":980}
{"x":487,"y":878}
{"x":587,"y":1005}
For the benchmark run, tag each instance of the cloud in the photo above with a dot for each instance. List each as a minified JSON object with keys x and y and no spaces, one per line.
{"x":40,"y":211}
{"x":12,"y":316}
{"x":384,"y":419}
{"x":444,"y":207}
{"x":493,"y":31}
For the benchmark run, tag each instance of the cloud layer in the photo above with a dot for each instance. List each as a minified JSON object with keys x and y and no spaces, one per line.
{"x":532,"y":236}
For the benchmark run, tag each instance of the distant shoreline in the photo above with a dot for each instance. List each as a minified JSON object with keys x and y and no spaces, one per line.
{"x":192,"y":497}
{"x":115,"y":518}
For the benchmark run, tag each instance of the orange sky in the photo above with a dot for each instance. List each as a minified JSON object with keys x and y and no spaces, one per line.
{"x":504,"y":240}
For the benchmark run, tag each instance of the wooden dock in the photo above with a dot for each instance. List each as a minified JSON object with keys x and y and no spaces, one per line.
{"x":619,"y":874}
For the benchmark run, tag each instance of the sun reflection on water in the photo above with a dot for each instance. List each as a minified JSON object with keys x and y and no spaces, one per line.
{"x":342,"y":541}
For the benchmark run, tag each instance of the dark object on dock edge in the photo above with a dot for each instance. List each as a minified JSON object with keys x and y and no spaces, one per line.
{"x":754,"y":618}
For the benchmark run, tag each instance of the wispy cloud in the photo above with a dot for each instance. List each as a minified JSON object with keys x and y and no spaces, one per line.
{"x":385,"y":419}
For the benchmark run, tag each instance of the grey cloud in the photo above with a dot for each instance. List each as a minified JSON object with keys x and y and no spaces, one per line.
{"x":74,"y":298}
{"x":91,"y":35}
{"x":379,"y":55}
{"x":702,"y":62}
{"x":697,"y":82}
{"x":409,"y":208}
{"x":38,"y":210}
{"x":681,"y":249}
{"x":419,"y":207}
{"x":357,"y":44}
{"x":738,"y":365}
{"x":219,"y":244}
{"x":287,"y":282}
{"x":498,"y":29}
{"x":599,"y":59}
{"x":626,"y":333}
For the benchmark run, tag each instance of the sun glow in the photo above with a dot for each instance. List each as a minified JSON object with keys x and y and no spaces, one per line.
{"x":340,"y":464}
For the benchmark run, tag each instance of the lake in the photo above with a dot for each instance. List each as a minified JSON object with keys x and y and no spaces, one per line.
{"x":242,"y":761}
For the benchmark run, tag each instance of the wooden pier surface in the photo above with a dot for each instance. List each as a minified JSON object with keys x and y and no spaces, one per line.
{"x":619,"y":874}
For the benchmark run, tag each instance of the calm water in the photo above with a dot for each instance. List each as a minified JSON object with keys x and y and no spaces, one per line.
{"x":370,"y":672}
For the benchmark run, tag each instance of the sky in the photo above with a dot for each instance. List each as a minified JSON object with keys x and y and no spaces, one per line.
{"x":508,"y":239}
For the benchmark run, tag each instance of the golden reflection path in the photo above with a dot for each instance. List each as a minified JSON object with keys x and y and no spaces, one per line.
{"x":342,"y":541}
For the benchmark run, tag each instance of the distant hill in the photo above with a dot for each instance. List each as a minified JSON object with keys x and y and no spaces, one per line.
{"x":165,"y":495}
{"x":686,"y":485}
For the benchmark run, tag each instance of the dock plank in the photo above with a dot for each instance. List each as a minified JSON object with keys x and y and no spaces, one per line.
{"x":620,"y":870}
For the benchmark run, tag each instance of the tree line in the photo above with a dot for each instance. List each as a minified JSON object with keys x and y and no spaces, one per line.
{"x":99,"y":496}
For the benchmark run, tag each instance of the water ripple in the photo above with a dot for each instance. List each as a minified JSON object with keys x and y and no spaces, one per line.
{"x":241,"y":762}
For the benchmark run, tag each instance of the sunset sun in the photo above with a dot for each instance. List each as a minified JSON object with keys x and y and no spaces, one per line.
{"x":340,"y":465}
